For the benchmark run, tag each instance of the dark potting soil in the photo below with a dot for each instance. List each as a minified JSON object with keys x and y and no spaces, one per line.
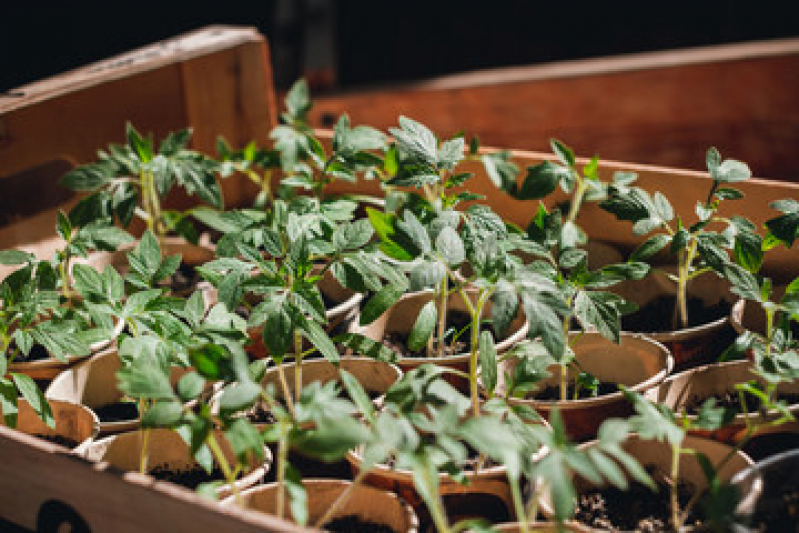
{"x":768,"y":444}
{"x":117,"y":412}
{"x":191,"y":478}
{"x":354,"y":524}
{"x":731,"y":400}
{"x":777,"y":511}
{"x":656,"y":316}
{"x":66,"y":442}
{"x":185,"y":278}
{"x":37,"y":353}
{"x":456,"y":321}
{"x":552,"y":392}
{"x":636,"y":509}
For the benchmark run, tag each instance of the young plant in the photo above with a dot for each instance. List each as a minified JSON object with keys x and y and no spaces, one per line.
{"x":588,"y":304}
{"x":134,"y":179}
{"x":583,"y":185}
{"x":698,"y":248}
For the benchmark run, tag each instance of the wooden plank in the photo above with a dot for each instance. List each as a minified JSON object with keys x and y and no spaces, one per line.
{"x":662,"y":108}
{"x":39,"y":479}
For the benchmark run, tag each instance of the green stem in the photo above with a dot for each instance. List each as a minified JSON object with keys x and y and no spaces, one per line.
{"x":341,"y":500}
{"x":577,"y":201}
{"x":297,"y":365}
{"x":684,"y":268}
{"x":144,"y":459}
{"x":477,"y":314}
{"x":63,"y":269}
{"x":518,"y":504}
{"x":221,"y":460}
{"x":282,"y":459}
{"x":145,"y":179}
{"x":442,"y":316}
{"x":286,"y":390}
{"x":676,"y":520}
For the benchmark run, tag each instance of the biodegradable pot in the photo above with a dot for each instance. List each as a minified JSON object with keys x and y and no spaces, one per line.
{"x":638,"y":363}
{"x":338,"y":317}
{"x":47,"y":369}
{"x":374,"y":376}
{"x":73,"y":421}
{"x":749,"y":316}
{"x":690,"y":346}
{"x":93,"y":383}
{"x":191,"y":254}
{"x":658,"y":456}
{"x":768,"y":493}
{"x":365,"y":502}
{"x":487,"y":494}
{"x":401,"y":317}
{"x":167,"y":448}
{"x":706,"y":381}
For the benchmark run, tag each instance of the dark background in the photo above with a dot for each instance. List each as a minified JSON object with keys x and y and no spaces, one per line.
{"x":377,"y":42}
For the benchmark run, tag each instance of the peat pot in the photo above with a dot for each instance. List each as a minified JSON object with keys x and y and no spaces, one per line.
{"x":691,"y":346}
{"x":638,"y":362}
{"x":167,"y":450}
{"x":367,"y":503}
{"x":656,"y":457}
{"x":691,"y":387}
{"x":541,"y":527}
{"x":400,"y":318}
{"x":769,"y":494}
{"x":76,"y":426}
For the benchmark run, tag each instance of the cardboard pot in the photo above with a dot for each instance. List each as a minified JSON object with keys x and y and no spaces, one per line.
{"x":400,"y":318}
{"x":368,"y":503}
{"x":768,"y":491}
{"x":694,"y":345}
{"x":658,"y":457}
{"x":487,"y":494}
{"x":542,"y":527}
{"x":697,"y":384}
{"x":93,"y":383}
{"x":638,"y":363}
{"x":73,"y":422}
{"x":166,"y":448}
{"x":339,"y":316}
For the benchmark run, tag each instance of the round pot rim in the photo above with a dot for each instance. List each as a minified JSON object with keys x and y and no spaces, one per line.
{"x":740,"y":418}
{"x":647,"y":384}
{"x":230,"y":500}
{"x":258,"y":468}
{"x":80,"y":407}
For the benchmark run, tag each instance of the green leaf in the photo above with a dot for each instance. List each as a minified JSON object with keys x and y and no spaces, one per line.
{"x":140,"y":146}
{"x":298,"y":100}
{"x":744,"y":284}
{"x":595,"y":309}
{"x":501,"y":170}
{"x":380,"y":302}
{"x":728,"y":194}
{"x":450,"y":152}
{"x":362,"y":345}
{"x":713,"y":160}
{"x":358,"y":395}
{"x":352,"y":236}
{"x":663,"y":207}
{"x":244,"y":439}
{"x":450,"y":246}
{"x":731,"y":171}
{"x":488,"y":361}
{"x":423,"y":327}
{"x":320,"y":340}
{"x":416,"y":139}
{"x":15,"y":257}
{"x":238,"y":397}
{"x":540,"y":181}
{"x":504,"y":307}
{"x":298,"y":497}
{"x":650,"y":247}
{"x":748,"y":250}
{"x":330,"y":440}
{"x":211,"y":361}
{"x":393,"y":244}
{"x":411,"y":226}
{"x":190,"y":386}
{"x":278,"y":332}
{"x":786,"y":226}
{"x":27,"y":387}
{"x":8,"y":402}
{"x":564,"y":153}
{"x":88,"y":177}
{"x":63,"y":227}
{"x":162,"y":414}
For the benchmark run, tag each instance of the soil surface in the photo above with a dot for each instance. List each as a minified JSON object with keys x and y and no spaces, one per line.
{"x":552,"y":392}
{"x":117,"y":412}
{"x":184,"y":279}
{"x":636,"y":509}
{"x":731,"y":400}
{"x":778,"y":512}
{"x":191,"y":478}
{"x":37,"y":353}
{"x":656,"y":316}
{"x":354,"y":524}
{"x":456,"y":321}
{"x":66,"y":442}
{"x":768,"y":444}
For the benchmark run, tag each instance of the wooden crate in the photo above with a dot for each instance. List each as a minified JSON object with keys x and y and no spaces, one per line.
{"x":216,"y":80}
{"x":662,"y":108}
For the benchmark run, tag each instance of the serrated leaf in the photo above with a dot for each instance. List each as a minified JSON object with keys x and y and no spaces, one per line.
{"x":190,"y":386}
{"x":564,"y":154}
{"x":162,"y":414}
{"x":450,"y":246}
{"x":650,"y":247}
{"x":28,"y":389}
{"x":423,"y":326}
{"x":15,"y":257}
{"x":540,"y":181}
{"x":488,"y":361}
{"x":380,"y":302}
{"x":238,"y":397}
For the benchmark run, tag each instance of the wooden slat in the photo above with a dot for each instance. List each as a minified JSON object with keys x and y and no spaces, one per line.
{"x":663,"y":108}
{"x":33,"y":472}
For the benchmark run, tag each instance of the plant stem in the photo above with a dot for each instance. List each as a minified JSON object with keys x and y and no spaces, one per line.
{"x":518,"y":505}
{"x":297,"y":364}
{"x":676,"y":519}
{"x":577,"y":201}
{"x":477,"y":314}
{"x":286,"y":390}
{"x":145,"y":454}
{"x":341,"y":500}
{"x":63,"y":269}
{"x":442,"y":316}
{"x":282,"y":459}
{"x":684,"y":268}
{"x":221,"y":460}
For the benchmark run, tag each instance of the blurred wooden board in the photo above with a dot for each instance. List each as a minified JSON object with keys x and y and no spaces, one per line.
{"x":662,"y":108}
{"x":46,"y":489}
